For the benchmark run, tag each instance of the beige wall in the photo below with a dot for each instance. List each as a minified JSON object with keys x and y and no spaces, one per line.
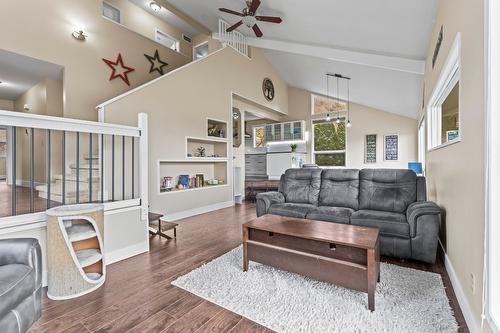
{"x":456,"y":172}
{"x":175,"y":114}
{"x":6,"y":105}
{"x":365,"y":120}
{"x":45,"y":98}
{"x":140,"y":21}
{"x":49,"y":24}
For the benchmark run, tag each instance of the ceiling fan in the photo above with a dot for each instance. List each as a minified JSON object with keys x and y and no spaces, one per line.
{"x":249,"y":18}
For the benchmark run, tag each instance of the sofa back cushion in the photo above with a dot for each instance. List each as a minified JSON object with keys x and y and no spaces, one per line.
{"x":389,"y":190}
{"x":339,"y":188}
{"x":301,"y":185}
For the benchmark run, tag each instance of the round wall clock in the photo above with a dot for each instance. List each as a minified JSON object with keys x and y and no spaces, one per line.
{"x":268,"y":89}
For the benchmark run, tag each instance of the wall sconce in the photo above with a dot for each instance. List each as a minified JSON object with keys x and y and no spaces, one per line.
{"x":79,"y":34}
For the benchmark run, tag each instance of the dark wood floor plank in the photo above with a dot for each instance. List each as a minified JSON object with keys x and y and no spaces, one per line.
{"x":223,"y":322}
{"x":248,"y":326}
{"x":154,"y":324}
{"x":138,"y":313}
{"x":194,"y":319}
{"x":184,"y":305}
{"x":132,"y":297}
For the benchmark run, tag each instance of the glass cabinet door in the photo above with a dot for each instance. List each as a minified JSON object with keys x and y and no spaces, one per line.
{"x":269,"y":133}
{"x":287,"y":131}
{"x":278,"y":132}
{"x":297,"y":130}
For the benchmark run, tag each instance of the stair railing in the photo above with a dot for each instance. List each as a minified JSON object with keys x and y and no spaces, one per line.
{"x":234,"y":38}
{"x":37,"y":145}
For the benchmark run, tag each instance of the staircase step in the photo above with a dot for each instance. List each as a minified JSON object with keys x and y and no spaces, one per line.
{"x":80,"y":231}
{"x":88,"y":257}
{"x":85,"y":166}
{"x":71,"y":177}
{"x":94,"y":157}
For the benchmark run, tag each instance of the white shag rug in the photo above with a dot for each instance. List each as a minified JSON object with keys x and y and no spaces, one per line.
{"x":406,"y":300}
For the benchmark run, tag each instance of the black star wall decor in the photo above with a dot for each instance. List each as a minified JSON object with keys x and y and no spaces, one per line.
{"x":156,"y":64}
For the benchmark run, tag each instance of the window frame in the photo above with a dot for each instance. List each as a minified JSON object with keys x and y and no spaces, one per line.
{"x":177,"y":42}
{"x":106,"y":3}
{"x":491,"y":309}
{"x":448,"y":78}
{"x":422,"y":143}
{"x":314,"y":152}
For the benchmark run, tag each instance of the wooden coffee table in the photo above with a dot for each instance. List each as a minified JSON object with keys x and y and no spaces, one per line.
{"x":341,"y":254}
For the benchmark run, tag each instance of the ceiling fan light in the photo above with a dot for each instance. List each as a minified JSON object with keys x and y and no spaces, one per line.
{"x":154,"y":6}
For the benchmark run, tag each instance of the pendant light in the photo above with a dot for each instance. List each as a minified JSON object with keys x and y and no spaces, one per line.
{"x":348,"y":124}
{"x":328,"y":97}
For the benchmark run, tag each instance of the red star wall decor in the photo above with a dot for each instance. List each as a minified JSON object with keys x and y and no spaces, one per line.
{"x":118,"y":69}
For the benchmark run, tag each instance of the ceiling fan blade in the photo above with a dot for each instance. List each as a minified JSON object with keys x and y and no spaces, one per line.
{"x":257,"y":30}
{"x":272,"y":19}
{"x":234,"y":26}
{"x":254,"y":6}
{"x":229,"y":11}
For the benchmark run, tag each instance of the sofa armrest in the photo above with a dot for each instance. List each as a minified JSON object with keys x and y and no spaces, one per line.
{"x":25,"y":251}
{"x":266,"y":199}
{"x":418,"y":209}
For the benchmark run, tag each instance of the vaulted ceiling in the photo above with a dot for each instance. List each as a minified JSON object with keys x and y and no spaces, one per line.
{"x":380,"y":44}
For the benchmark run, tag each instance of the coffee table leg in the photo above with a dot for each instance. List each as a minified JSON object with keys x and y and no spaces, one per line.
{"x":372,"y":278}
{"x":245,"y":249}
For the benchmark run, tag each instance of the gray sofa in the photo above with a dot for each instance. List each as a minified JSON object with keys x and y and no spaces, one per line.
{"x":392,"y":200}
{"x":20,"y":284}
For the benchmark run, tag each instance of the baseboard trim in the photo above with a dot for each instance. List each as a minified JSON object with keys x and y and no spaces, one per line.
{"x":472,"y":324}
{"x":126,"y":252}
{"x":197,"y":211}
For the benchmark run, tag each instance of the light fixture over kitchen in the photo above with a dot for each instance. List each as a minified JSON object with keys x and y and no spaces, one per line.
{"x":339,"y":78}
{"x":155,"y":6}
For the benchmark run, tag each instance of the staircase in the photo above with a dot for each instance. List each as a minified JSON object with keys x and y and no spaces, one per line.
{"x":89,"y":163}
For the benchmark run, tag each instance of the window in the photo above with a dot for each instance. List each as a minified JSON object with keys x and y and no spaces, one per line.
{"x":200,"y":51}
{"x":111,"y":12}
{"x":329,"y":143}
{"x":323,"y":106}
{"x":443,"y":111}
{"x":167,"y":40}
{"x":421,"y":144}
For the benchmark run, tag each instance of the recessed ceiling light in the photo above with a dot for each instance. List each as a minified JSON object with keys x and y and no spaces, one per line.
{"x":154,"y":6}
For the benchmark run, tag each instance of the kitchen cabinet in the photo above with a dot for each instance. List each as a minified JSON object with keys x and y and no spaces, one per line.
{"x":255,"y":165}
{"x":288,"y":131}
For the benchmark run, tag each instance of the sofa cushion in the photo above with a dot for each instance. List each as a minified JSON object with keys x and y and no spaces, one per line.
{"x":290,"y":209}
{"x":17,"y":282}
{"x":390,"y":190}
{"x":389,"y":224}
{"x":302,"y":185}
{"x":330,"y":214}
{"x":339,"y":188}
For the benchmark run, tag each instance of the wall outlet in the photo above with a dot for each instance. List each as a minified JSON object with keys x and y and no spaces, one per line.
{"x":473,"y":283}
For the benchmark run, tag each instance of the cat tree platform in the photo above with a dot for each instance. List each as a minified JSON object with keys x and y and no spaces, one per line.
{"x":75,"y":250}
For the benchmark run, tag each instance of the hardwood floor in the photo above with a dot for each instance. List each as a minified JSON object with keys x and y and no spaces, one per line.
{"x":138,"y":296}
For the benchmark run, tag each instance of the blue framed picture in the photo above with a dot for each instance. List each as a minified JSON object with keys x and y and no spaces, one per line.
{"x":452,"y":135}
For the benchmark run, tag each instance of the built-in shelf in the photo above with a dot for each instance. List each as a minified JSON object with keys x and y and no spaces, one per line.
{"x":216,"y":128}
{"x":207,"y":187}
{"x":215,"y":148}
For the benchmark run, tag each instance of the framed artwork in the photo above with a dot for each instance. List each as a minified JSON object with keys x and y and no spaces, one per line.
{"x":259,"y":137}
{"x":391,"y":147}
{"x":371,"y":148}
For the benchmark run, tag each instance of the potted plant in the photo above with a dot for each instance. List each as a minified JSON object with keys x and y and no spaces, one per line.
{"x":294,"y":147}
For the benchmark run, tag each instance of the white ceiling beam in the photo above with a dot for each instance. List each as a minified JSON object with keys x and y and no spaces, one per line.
{"x":394,"y":63}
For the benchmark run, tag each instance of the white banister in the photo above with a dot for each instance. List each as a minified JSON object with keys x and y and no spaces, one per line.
{"x":234,"y":38}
